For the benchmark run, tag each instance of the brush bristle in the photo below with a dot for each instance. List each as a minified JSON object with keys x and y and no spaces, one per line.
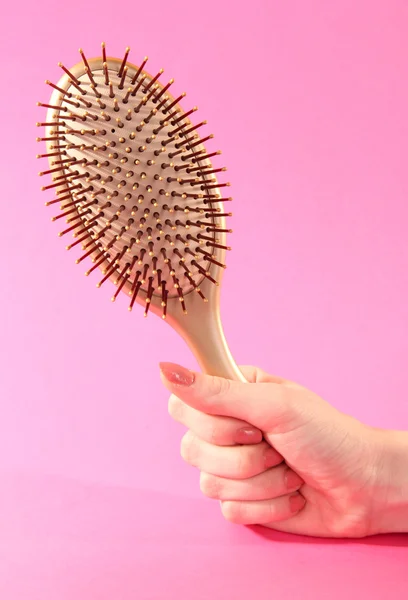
{"x":138,"y":189}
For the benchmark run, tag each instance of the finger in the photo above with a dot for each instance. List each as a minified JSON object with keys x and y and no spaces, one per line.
{"x":234,"y":462}
{"x":265,"y":405}
{"x":221,"y":431}
{"x":263,"y":511}
{"x":275,"y":482}
{"x":255,"y":375}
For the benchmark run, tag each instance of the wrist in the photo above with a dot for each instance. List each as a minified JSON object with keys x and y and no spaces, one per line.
{"x":392,"y":483}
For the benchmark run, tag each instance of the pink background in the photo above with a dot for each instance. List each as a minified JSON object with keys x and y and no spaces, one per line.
{"x":308,"y":100}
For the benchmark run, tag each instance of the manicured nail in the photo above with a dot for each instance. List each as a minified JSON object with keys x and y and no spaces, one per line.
{"x":292,"y":480}
{"x":296,"y":503}
{"x":176,"y":374}
{"x":272,"y":458}
{"x":248,"y":435}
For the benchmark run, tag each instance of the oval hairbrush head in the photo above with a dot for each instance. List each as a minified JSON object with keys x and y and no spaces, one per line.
{"x":140,"y":196}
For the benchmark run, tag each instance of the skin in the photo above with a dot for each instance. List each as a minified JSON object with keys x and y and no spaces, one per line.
{"x":276,"y":454}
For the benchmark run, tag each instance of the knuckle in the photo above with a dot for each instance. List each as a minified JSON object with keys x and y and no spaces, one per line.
{"x":175,"y":407}
{"x":219,"y":386}
{"x":210,"y":485}
{"x":218,"y":431}
{"x":231,"y":511}
{"x":250,"y":459}
{"x":185,"y":447}
{"x":189,"y":448}
{"x":244,"y":465}
{"x":213,"y":434}
{"x":271,"y":511}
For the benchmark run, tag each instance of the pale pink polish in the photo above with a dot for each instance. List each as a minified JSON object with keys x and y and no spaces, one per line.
{"x":248,"y":435}
{"x":292,"y":480}
{"x":296,"y":503}
{"x":177,"y":375}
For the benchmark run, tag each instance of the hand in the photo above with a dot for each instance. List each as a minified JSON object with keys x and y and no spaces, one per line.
{"x":340,"y":478}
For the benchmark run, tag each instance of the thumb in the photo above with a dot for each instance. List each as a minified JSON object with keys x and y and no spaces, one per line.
{"x":269,"y":406}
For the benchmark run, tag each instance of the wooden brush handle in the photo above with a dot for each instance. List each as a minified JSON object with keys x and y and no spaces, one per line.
{"x":202,"y":330}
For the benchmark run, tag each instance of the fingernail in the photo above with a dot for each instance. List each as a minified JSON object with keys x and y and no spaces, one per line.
{"x":296,"y":503}
{"x":176,"y":374}
{"x":292,"y":480}
{"x":272,"y":458}
{"x":248,"y":435}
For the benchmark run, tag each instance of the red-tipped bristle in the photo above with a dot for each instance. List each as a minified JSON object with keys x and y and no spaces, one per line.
{"x":110,"y":270}
{"x":136,"y":289}
{"x":149,"y":295}
{"x":88,"y":253}
{"x":101,"y":259}
{"x":140,"y":69}
{"x":153,"y":81}
{"x":123,"y":77}
{"x":176,"y":101}
{"x":164,"y":90}
{"x":122,"y":66}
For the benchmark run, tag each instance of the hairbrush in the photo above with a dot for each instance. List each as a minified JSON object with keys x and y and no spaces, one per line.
{"x":140,"y":195}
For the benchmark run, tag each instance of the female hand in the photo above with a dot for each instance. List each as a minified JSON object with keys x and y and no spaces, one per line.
{"x":276,"y":454}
